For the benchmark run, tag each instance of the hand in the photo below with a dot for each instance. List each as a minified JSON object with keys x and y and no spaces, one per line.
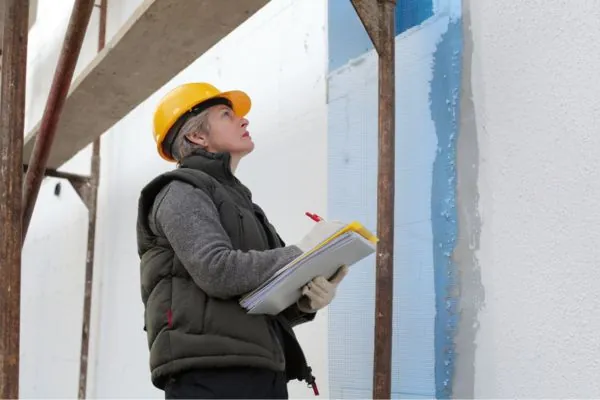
{"x":319,"y":292}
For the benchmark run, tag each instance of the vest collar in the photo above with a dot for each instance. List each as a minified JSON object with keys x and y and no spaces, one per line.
{"x":217,"y":165}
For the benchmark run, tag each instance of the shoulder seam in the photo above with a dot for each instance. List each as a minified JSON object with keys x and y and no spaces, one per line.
{"x":157,"y":206}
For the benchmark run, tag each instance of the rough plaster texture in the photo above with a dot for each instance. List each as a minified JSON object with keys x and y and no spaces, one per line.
{"x":277,"y":56}
{"x":445,"y":111}
{"x":468,"y":288}
{"x":535,"y":91}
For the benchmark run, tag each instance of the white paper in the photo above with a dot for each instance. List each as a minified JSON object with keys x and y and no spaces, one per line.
{"x":284,"y":287}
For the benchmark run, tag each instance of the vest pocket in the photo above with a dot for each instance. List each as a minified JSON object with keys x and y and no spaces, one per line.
{"x":232,"y":220}
{"x":228,"y":319}
{"x":155,"y":318}
{"x":244,"y":228}
{"x":187,"y":306}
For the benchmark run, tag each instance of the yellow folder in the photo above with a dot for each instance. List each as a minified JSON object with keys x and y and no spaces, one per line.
{"x":339,"y":244}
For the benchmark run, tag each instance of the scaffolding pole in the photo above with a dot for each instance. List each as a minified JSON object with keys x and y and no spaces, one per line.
{"x":12,"y":123}
{"x":378,"y":17}
{"x":80,"y":17}
{"x":92,"y":204}
{"x":75,"y":179}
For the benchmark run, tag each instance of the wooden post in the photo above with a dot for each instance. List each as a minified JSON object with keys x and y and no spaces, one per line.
{"x":378,"y":17}
{"x":12,"y":123}
{"x":80,"y":17}
{"x":91,"y":200}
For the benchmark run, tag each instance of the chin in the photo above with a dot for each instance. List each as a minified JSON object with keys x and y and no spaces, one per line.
{"x":248,"y":148}
{"x":245,"y":150}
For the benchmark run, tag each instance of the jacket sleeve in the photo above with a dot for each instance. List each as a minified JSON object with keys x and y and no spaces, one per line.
{"x":190,"y":221}
{"x":297,"y":317}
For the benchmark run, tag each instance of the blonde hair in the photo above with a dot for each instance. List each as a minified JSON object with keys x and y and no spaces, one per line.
{"x":182,"y":146}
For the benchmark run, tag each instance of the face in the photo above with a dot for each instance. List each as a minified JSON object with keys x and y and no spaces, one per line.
{"x":228,"y":133}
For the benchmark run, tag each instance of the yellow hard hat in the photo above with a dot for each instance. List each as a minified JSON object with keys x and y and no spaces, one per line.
{"x":183,"y":99}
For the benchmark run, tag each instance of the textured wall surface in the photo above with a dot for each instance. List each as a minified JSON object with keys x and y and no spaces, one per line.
{"x":427,"y":93}
{"x":535,"y":86}
{"x":445,"y":111}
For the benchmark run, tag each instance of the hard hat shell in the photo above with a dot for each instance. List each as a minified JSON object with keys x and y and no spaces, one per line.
{"x":182,"y":99}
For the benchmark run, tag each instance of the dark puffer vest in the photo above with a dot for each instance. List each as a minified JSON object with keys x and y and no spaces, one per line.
{"x":187,"y":329}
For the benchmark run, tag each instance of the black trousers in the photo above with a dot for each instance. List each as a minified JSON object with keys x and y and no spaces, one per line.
{"x":228,"y":383}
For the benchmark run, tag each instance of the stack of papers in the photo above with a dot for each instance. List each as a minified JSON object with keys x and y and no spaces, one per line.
{"x":343,"y":245}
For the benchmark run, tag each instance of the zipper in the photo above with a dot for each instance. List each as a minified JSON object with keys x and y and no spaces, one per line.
{"x":305,"y":372}
{"x":311,"y":381}
{"x":240,"y":227}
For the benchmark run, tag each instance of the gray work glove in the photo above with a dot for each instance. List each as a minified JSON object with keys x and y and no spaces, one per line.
{"x":319,"y":292}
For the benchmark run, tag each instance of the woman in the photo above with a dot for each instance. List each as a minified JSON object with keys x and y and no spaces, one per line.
{"x":203,"y":244}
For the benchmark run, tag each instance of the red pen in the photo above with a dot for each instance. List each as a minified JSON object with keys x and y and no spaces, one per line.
{"x":314,"y":217}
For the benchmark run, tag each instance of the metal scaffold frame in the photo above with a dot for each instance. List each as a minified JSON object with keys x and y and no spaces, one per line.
{"x":11,"y":142}
{"x":18,"y":194}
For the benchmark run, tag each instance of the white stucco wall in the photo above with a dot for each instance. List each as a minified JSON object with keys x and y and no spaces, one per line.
{"x":279,"y":57}
{"x":535,"y":86}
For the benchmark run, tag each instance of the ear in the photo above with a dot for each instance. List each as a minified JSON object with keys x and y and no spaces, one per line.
{"x":198,"y":138}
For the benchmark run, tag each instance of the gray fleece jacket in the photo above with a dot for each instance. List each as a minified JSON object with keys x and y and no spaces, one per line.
{"x":189,"y":219}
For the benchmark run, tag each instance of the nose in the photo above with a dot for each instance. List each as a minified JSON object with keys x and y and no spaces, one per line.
{"x":245,"y":122}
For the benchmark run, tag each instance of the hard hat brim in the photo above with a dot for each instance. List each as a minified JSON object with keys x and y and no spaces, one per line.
{"x":240,"y":101}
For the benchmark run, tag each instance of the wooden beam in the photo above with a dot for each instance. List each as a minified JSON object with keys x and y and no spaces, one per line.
{"x":379,"y":20}
{"x":368,"y":12}
{"x":160,"y":39}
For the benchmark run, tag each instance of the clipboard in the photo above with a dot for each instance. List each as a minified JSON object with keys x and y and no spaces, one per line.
{"x":347,"y":245}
